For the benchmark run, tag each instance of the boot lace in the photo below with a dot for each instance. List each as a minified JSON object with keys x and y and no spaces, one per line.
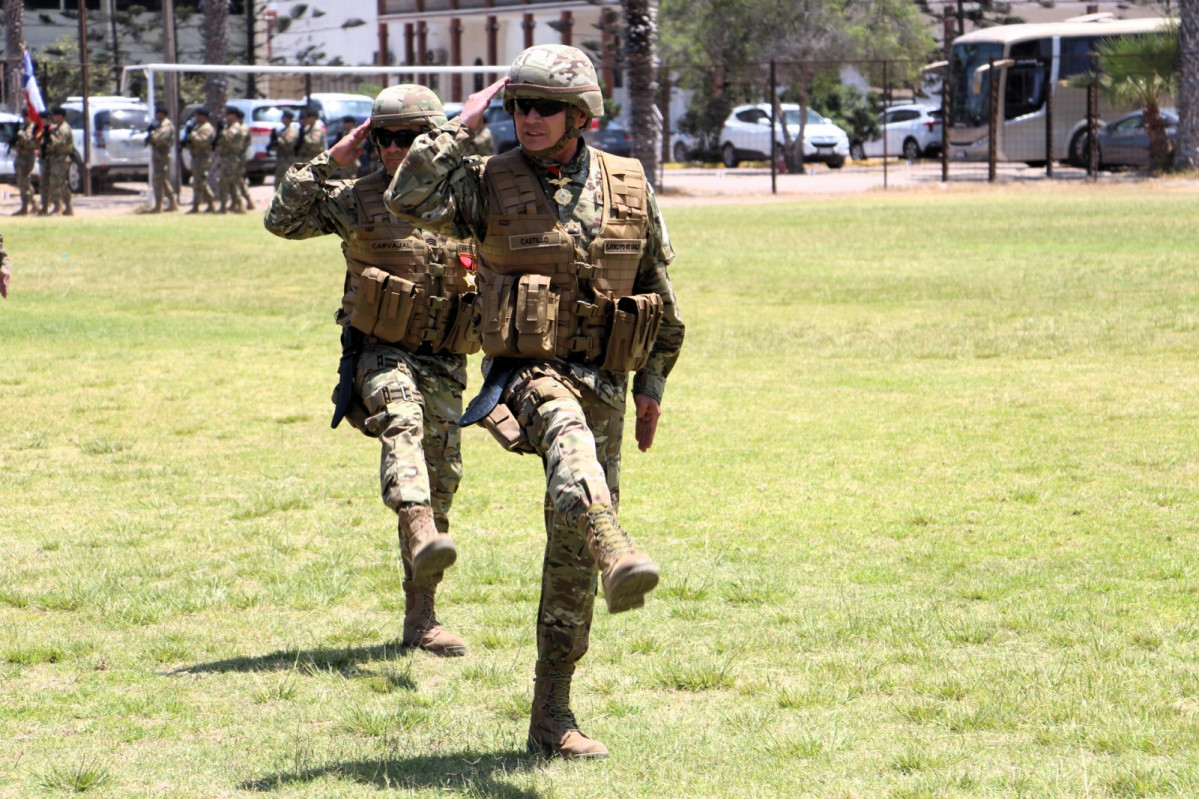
{"x":609,"y":537}
{"x":558,"y":701}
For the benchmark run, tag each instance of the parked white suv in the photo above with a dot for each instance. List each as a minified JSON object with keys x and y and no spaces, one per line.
{"x":9,"y":125}
{"x":746,"y":136}
{"x":908,"y":131}
{"x":117,"y":148}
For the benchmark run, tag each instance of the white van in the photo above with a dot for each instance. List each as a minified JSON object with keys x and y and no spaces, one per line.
{"x":118,"y":149}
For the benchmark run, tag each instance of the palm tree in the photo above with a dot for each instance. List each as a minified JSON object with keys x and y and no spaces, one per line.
{"x":643,"y":85}
{"x":1140,"y":71}
{"x":1187,"y":155}
{"x":14,"y":38}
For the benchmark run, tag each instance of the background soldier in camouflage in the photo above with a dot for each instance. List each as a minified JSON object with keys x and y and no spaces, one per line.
{"x":408,"y":352}
{"x":560,"y":225}
{"x":312,"y":136}
{"x":348,"y":123}
{"x":283,"y":145}
{"x":483,"y":142}
{"x":231,"y":147}
{"x":198,"y":141}
{"x":243,"y":186}
{"x":24,"y":144}
{"x":59,"y":143}
{"x":161,"y":139}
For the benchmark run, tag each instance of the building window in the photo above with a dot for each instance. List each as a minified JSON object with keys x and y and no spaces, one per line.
{"x":61,"y":5}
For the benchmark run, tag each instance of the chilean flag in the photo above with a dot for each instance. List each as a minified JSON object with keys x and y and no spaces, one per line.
{"x":34,"y":105}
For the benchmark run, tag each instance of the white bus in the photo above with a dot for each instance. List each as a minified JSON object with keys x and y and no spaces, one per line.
{"x":1020,"y":54}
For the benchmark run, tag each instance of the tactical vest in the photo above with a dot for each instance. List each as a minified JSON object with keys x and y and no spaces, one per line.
{"x":541,"y":295}
{"x":403,"y":286}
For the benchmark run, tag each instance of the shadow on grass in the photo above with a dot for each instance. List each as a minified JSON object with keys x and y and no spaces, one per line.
{"x":469,"y":773}
{"x":345,"y":660}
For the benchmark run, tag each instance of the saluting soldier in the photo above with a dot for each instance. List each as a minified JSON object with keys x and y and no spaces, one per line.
{"x":407,"y":327}
{"x":574,"y":297}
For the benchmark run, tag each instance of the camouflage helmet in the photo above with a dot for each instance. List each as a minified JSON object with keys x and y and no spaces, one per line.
{"x":555,"y":72}
{"x":407,"y":104}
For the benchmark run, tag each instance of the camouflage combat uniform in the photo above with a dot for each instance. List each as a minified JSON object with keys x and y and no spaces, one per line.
{"x":413,"y":394}
{"x":286,"y":141}
{"x":56,"y":190}
{"x":25,"y":146}
{"x":162,"y":145}
{"x":570,"y":413}
{"x":312,"y":142}
{"x":231,"y":146}
{"x":199,"y":144}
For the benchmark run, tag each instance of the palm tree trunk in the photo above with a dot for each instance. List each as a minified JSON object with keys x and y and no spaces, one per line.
{"x":645,"y":121}
{"x":14,"y":36}
{"x":1187,"y":154}
{"x":215,"y":31}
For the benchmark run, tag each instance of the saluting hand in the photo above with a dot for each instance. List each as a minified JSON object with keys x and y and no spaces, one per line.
{"x":350,"y":146}
{"x":476,"y":104}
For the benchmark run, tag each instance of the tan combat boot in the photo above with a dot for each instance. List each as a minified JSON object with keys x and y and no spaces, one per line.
{"x":627,"y":574}
{"x":553,"y":730}
{"x":421,"y":627}
{"x":428,"y":551}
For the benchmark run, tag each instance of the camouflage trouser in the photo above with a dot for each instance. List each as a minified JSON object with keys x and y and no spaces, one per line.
{"x":415,"y":402}
{"x":23,"y":165}
{"x":200,"y":191}
{"x":227,"y":187}
{"x":163,"y":190}
{"x":578,"y":437}
{"x":55,"y":186}
{"x":242,"y":185}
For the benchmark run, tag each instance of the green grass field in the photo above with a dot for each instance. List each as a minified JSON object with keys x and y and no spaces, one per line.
{"x":925,"y":496}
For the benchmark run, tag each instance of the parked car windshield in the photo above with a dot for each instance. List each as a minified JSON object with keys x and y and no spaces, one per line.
{"x":273,"y":113}
{"x":792,"y":115}
{"x":122,"y":119}
{"x":359,"y":109}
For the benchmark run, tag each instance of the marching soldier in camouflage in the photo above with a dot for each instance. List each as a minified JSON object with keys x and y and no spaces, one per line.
{"x":231,"y":147}
{"x":574,"y":295}
{"x":407,"y":315}
{"x":312,"y":136}
{"x":161,"y":139}
{"x":59,"y":143}
{"x":283,"y":145}
{"x":24,"y":145}
{"x":198,"y":141}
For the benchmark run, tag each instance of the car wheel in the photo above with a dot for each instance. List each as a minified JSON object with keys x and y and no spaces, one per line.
{"x":836,"y":162}
{"x":1077,"y":153}
{"x":75,"y":176}
{"x":680,"y":152}
{"x":911,"y":150}
{"x":728,"y":154}
{"x":857,"y":152}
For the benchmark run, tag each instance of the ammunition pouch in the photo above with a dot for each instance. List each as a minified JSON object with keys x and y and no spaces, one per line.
{"x":396,"y":310}
{"x":635,"y":326}
{"x":505,"y":429}
{"x":520,"y":319}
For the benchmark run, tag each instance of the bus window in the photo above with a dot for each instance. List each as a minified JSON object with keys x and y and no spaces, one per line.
{"x":1025,"y":92}
{"x":1076,"y":56}
{"x":970,"y":107}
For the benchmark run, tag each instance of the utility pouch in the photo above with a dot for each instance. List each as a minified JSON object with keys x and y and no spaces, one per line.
{"x":462,"y":338}
{"x":356,"y":414}
{"x":496,"y":308}
{"x":398,"y":299}
{"x":505,"y":429}
{"x":364,"y":314}
{"x":635,"y":326}
{"x":536,"y":317}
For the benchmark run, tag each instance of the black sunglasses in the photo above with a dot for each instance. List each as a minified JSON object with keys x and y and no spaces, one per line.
{"x":400,"y":138}
{"x":544,"y":108}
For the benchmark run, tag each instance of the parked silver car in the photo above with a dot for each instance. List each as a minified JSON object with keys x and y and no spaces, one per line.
{"x":9,"y":125}
{"x":746,"y":134}
{"x":117,"y":148}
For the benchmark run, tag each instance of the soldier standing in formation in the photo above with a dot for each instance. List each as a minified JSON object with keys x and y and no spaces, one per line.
{"x":58,"y":142}
{"x":406,"y":319}
{"x":574,"y":295}
{"x":313,"y":140}
{"x":198,"y":140}
{"x":483,"y":142}
{"x":25,"y":144}
{"x":243,"y":186}
{"x":231,"y":147}
{"x":348,"y":123}
{"x":283,"y":145}
{"x":161,"y":139}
